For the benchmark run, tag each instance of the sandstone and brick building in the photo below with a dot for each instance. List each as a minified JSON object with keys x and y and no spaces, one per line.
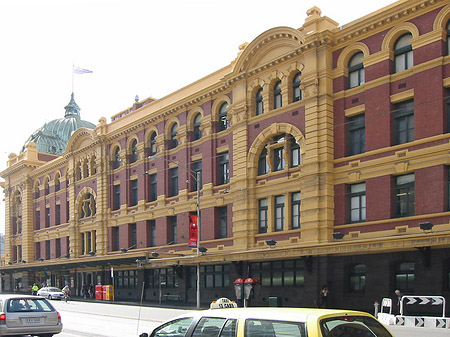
{"x":330,"y":143}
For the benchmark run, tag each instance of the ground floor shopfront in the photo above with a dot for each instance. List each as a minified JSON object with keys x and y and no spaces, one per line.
{"x":354,"y":282}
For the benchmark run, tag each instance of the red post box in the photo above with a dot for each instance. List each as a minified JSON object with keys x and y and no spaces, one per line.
{"x":98,"y":292}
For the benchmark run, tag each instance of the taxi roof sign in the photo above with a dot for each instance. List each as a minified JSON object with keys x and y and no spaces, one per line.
{"x":222,"y":303}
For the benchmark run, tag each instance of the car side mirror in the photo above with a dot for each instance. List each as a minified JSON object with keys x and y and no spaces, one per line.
{"x":144,"y":334}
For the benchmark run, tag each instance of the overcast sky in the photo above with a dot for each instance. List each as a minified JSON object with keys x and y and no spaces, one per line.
{"x":134,"y":47}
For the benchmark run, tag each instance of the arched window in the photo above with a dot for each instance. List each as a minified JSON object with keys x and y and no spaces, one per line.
{"x":133,"y":151}
{"x":197,"y":123}
{"x":46,"y":186}
{"x":403,"y":53}
{"x":223,"y":113}
{"x":448,"y":37}
{"x":88,"y":207}
{"x":92,"y":168}
{"x":116,"y":161}
{"x":153,"y":143}
{"x":259,"y":102}
{"x":37,"y":193}
{"x":296,"y":91}
{"x":263,"y":166}
{"x":57,"y":181}
{"x":356,"y":76}
{"x":173,"y":136}
{"x":277,"y":97}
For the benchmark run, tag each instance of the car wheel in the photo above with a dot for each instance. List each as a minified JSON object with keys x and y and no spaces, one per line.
{"x":49,"y":297}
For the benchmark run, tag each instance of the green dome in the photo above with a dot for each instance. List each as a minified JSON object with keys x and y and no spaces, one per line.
{"x":53,"y":136}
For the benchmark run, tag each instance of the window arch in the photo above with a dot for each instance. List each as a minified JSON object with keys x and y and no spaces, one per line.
{"x":403,"y":53}
{"x":46,"y":186}
{"x":116,"y":158}
{"x":153,"y":149}
{"x":133,"y":151}
{"x":57,"y":181}
{"x":296,"y":91}
{"x":259,"y":102}
{"x":197,"y":133}
{"x":356,"y":74}
{"x":173,"y":136}
{"x":223,"y":120}
{"x":277,"y":96}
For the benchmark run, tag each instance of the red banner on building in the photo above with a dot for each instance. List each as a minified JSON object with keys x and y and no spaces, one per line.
{"x":193,"y":231}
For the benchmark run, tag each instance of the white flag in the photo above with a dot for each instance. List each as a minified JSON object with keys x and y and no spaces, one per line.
{"x":78,"y":70}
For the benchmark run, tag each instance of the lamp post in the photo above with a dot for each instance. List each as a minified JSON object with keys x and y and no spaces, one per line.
{"x":196,"y":177}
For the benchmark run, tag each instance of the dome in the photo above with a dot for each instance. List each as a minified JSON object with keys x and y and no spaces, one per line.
{"x":53,"y":136}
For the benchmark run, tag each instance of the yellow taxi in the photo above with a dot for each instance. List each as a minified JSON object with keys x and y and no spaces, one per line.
{"x":272,"y":322}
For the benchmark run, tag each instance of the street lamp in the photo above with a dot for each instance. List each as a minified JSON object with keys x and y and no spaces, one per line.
{"x":196,"y":177}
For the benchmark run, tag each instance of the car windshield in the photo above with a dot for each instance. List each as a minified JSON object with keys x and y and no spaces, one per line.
{"x":54,"y":289}
{"x":29,"y":304}
{"x":353,"y":326}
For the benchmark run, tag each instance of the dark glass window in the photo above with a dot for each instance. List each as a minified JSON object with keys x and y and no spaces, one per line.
{"x":133,"y":154}
{"x":116,"y":161}
{"x":115,"y":238}
{"x":356,"y":135}
{"x":173,"y":183}
{"x":297,"y":92}
{"x":58,"y":248}
{"x":222,"y":222}
{"x":152,"y":232}
{"x":358,"y":202}
{"x":448,"y":38}
{"x":173,"y":136}
{"x":277,"y":97}
{"x":279,"y":213}
{"x":212,"y":276}
{"x":224,"y":173}
{"x":57,"y":183}
{"x":133,"y":192}
{"x":295,"y":210}
{"x":404,"y":122}
{"x":263,"y":210}
{"x":163,"y":278}
{"x":259,"y":102}
{"x":125,"y":279}
{"x":133,"y":236}
{"x":153,"y":144}
{"x":223,"y":113}
{"x":116,"y":200}
{"x":278,"y":159}
{"x":153,"y":187}
{"x":404,"y":195}
{"x":279,"y":273}
{"x":172,"y":223}
{"x":37,"y":193}
{"x":356,"y":76}
{"x":197,"y":170}
{"x":46,"y":187}
{"x":58,"y":214}
{"x":447,"y":108}
{"x":357,"y":278}
{"x":263,"y":165}
{"x":47,"y":217}
{"x":403,"y":53}
{"x":38,"y":250}
{"x":197,"y":124}
{"x":404,"y":277}
{"x":295,"y":158}
{"x":448,"y":188}
{"x":37,"y":220}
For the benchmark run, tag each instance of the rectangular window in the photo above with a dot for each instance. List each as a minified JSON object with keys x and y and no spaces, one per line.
{"x":358,"y":202}
{"x":356,"y":135}
{"x":83,"y":244}
{"x":279,"y":213}
{"x":133,"y":192}
{"x":153,"y":187}
{"x":116,"y":200}
{"x":447,"y":107}
{"x":37,"y":220}
{"x":173,"y":183}
{"x":172,"y":230}
{"x":213,"y":276}
{"x":152,"y":229}
{"x":448,"y":188}
{"x":222,"y":221}
{"x":115,"y":238}
{"x":279,"y":273}
{"x":404,"y":122}
{"x":295,"y":210}
{"x":47,"y":217}
{"x":38,"y":250}
{"x":133,"y":236}
{"x":295,"y":157}
{"x":263,"y":215}
{"x":404,"y":277}
{"x":47,"y":250}
{"x":58,"y":215}
{"x":197,"y":173}
{"x":404,"y":195}
{"x":161,"y":278}
{"x":224,"y":173}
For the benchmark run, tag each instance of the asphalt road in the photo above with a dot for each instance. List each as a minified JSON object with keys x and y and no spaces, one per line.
{"x":91,"y":319}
